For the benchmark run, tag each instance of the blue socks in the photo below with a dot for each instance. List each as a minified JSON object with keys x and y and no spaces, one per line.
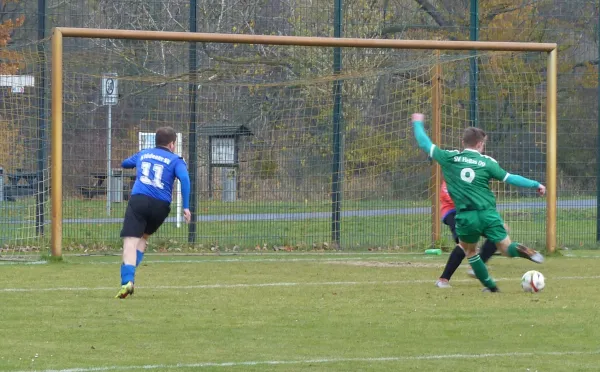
{"x":128,"y":271}
{"x":139,"y":258}
{"x":127,"y":274}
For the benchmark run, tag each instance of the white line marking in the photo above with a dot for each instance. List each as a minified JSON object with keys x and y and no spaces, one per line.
{"x":569,"y":255}
{"x":275,"y":284}
{"x":260,"y":254}
{"x":316,"y":259}
{"x":234,"y":260}
{"x":208,"y":259}
{"x":248,"y":260}
{"x":323,"y":361}
{"x":321,"y":259}
{"x":23,"y":262}
{"x":243,"y":258}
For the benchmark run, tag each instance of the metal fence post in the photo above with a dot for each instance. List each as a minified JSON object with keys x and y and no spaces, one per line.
{"x":598,"y":147}
{"x":1,"y":184}
{"x":338,"y":157}
{"x":41,"y":125}
{"x":193,"y":93}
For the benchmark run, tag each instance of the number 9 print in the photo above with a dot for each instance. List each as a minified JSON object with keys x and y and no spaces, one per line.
{"x":467,"y":175}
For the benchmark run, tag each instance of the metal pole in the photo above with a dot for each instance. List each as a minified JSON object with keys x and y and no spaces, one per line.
{"x":1,"y":185}
{"x":193,"y":93}
{"x":551,"y":144}
{"x":210,"y":169}
{"x":474,"y":67}
{"x":108,"y":160}
{"x":338,"y":158}
{"x":598,"y":148}
{"x":41,"y":127}
{"x":57,"y":141}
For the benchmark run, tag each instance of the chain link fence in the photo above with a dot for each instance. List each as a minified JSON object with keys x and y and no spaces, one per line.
{"x":279,"y":194}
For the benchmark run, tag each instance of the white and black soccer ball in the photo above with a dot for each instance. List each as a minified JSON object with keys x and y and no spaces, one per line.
{"x":533,"y":281}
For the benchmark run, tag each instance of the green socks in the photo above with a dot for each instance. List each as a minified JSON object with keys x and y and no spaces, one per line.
{"x":481,"y":271}
{"x":512,"y":250}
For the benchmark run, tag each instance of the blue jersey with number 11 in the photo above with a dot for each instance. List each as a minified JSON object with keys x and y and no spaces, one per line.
{"x":156,"y":170}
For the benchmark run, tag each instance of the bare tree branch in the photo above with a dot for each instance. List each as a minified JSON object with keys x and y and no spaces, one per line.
{"x":593,"y":62}
{"x":57,"y":5}
{"x":173,"y":18}
{"x":503,"y":10}
{"x":427,"y":7}
{"x":433,"y":13}
{"x":221,"y":15}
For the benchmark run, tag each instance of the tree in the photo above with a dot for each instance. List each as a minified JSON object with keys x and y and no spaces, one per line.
{"x":9,"y":60}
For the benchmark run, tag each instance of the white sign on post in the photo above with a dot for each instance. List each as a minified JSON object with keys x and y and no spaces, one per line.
{"x":110,"y":89}
{"x":110,"y":97}
{"x":147,"y":140}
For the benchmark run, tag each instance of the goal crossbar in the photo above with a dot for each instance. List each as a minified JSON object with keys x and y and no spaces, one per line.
{"x":93,"y":33}
{"x":59,"y":33}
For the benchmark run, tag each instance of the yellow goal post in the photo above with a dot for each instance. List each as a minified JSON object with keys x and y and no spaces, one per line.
{"x":59,"y":33}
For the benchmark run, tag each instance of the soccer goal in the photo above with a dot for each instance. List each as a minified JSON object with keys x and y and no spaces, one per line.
{"x":322,"y":157}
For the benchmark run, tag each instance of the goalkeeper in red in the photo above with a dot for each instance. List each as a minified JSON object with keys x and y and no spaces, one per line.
{"x":467,"y":176}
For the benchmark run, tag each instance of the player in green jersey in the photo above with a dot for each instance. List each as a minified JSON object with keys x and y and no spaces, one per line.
{"x":467,"y":175}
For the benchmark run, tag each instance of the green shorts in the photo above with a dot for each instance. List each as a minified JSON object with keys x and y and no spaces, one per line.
{"x":470,"y":225}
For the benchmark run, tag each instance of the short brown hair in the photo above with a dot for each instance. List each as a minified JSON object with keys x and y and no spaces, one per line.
{"x":165,"y":135}
{"x":472,"y":136}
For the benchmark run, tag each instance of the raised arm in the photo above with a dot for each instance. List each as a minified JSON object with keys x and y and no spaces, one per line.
{"x":422,"y":139}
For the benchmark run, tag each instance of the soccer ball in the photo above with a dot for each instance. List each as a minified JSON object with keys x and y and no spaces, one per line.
{"x":533,"y":281}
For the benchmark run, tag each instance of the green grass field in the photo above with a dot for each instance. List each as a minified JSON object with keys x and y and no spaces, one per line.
{"x":298,"y":312}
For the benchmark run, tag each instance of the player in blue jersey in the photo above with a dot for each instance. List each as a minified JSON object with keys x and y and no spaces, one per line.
{"x":150,"y":201}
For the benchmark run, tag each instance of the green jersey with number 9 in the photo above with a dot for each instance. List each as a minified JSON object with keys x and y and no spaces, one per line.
{"x":468,"y":175}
